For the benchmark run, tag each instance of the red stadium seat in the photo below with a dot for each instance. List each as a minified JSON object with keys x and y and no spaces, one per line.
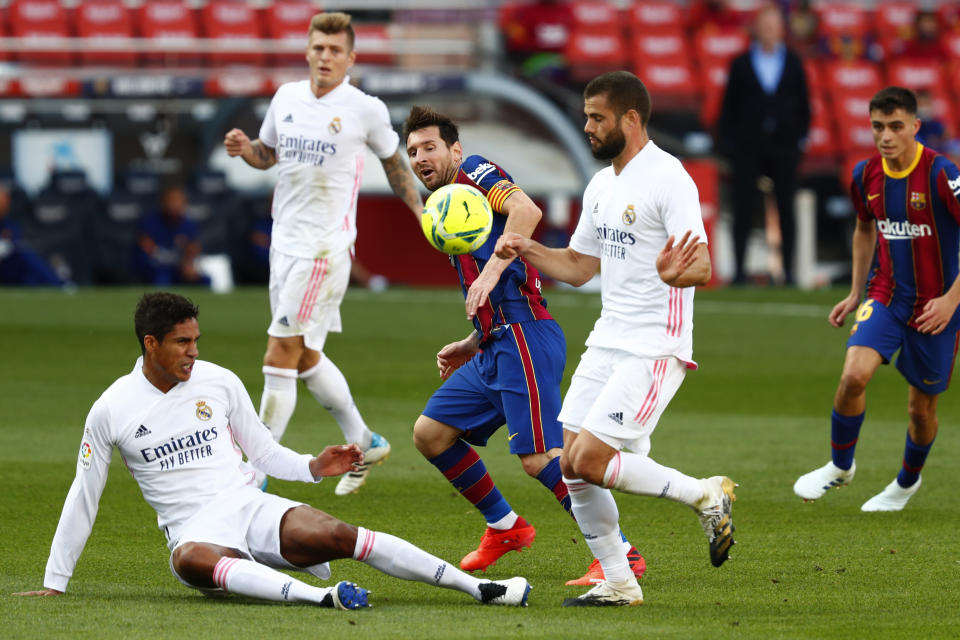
{"x":289,"y":22}
{"x":655,"y":17}
{"x":843,"y":19}
{"x":852,"y":105}
{"x":916,"y":74}
{"x":894,"y":20}
{"x":852,"y":76}
{"x":37,"y":21}
{"x":670,"y":83}
{"x":660,"y":45}
{"x":170,"y":22}
{"x":719,"y":45}
{"x":236,"y":25}
{"x":373,"y":44}
{"x":4,"y":33}
{"x":595,"y":15}
{"x":951,"y":44}
{"x":816,"y":84}
{"x":100,"y":21}
{"x":821,"y":140}
{"x":535,"y":28}
{"x":593,"y":51}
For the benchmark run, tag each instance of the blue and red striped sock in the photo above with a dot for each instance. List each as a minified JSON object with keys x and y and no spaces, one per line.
{"x":461,"y":465}
{"x":914,"y":456}
{"x":551,"y":477}
{"x":844,"y":432}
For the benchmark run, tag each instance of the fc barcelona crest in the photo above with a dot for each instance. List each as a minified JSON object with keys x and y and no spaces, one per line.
{"x":629,"y":215}
{"x":203,"y":411}
{"x":335,"y":126}
{"x":918,"y":199}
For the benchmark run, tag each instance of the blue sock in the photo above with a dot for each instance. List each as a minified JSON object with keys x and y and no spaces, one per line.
{"x":461,"y":465}
{"x":844,"y":432}
{"x":914,"y":455}
{"x":551,"y":477}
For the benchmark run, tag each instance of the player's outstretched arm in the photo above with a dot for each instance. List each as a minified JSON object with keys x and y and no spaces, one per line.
{"x":684,"y":264}
{"x":566,"y":265}
{"x":402,"y":182}
{"x":336,"y":460}
{"x":44,"y":592}
{"x":254,"y":153}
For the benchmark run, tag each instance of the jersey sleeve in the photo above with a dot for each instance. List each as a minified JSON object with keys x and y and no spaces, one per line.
{"x":381,"y":137}
{"x":857,"y":193}
{"x":680,"y":206}
{"x":268,"y":129}
{"x":489,"y":178}
{"x":83,"y":499}
{"x":584,"y":239}
{"x":255,"y":439}
{"x":948,"y":188}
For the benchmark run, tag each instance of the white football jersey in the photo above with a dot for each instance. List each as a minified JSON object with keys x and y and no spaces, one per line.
{"x":182,"y":447}
{"x":319,"y":144}
{"x":626,"y":220}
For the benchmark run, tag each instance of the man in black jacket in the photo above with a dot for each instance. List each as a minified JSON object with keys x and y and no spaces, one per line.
{"x":762,"y":129}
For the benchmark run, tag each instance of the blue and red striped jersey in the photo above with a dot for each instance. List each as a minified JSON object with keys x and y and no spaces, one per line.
{"x":517,"y":296}
{"x":917,"y":214}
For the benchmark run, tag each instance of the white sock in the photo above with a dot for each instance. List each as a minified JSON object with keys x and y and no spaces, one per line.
{"x":279,"y":399}
{"x":634,"y":473}
{"x":259,"y":581}
{"x":506,"y":522}
{"x":398,"y":558}
{"x":330,"y":388}
{"x":598,"y":518}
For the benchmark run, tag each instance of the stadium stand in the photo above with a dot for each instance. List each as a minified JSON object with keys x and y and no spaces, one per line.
{"x":105,"y":24}
{"x":39,"y":23}
{"x":233,"y":23}
{"x":173,"y":28}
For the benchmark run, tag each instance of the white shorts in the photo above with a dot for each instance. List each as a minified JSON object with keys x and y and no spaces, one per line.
{"x":619,"y":397}
{"x":248,"y":520}
{"x":305,"y":296}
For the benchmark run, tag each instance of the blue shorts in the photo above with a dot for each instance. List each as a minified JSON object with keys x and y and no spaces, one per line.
{"x":926,"y":361}
{"x":514,"y":380}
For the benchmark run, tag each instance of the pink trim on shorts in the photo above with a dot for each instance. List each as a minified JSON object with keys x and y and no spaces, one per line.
{"x":650,"y":402}
{"x":313,"y":289}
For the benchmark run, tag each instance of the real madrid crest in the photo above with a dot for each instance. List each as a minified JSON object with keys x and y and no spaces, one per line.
{"x":918,"y":199}
{"x":203,"y":411}
{"x":335,"y":126}
{"x":629,"y":215}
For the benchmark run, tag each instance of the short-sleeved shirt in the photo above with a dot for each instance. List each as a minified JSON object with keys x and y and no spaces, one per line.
{"x":625,"y":222}
{"x":320,"y":145}
{"x":917,"y":214}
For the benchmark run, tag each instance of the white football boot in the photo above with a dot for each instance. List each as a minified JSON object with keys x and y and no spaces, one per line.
{"x":376,"y":453}
{"x":511,"y":593}
{"x":608,"y":594}
{"x":714,"y":511}
{"x":892,"y":498}
{"x":813,"y":485}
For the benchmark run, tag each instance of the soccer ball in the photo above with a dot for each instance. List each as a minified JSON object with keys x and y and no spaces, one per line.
{"x":457,"y":219}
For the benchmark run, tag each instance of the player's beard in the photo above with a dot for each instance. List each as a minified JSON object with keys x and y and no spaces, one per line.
{"x":611,"y":147}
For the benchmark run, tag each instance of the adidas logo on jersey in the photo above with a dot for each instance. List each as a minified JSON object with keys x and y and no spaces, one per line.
{"x":284,"y":321}
{"x":617,"y":416}
{"x":142,"y":431}
{"x":289,"y":118}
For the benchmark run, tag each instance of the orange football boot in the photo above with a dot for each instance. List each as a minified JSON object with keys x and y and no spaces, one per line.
{"x":496,"y":542}
{"x":594,"y":573}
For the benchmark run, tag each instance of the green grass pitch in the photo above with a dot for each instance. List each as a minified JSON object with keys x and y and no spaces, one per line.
{"x":757,"y":410}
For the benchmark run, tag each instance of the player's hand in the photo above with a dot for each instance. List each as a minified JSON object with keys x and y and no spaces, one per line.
{"x":235,"y":141}
{"x":45,"y":592}
{"x":479,"y":291}
{"x":336,"y":460}
{"x":936,"y":314}
{"x":674,"y":259}
{"x":455,"y":355}
{"x":510,"y":245}
{"x":842,"y":309}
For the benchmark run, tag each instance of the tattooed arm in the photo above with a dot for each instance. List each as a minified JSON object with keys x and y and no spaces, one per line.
{"x":255,"y":153}
{"x":402,"y":183}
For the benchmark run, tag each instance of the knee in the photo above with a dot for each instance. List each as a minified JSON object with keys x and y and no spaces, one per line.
{"x":579,"y":463}
{"x":283,"y":354}
{"x":853,"y":383}
{"x":432,"y":438}
{"x":192,"y":563}
{"x":922,"y":417}
{"x":566,"y":466}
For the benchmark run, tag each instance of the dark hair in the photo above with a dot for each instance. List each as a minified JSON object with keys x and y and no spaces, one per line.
{"x":158,"y":313}
{"x":892,"y":98}
{"x":422,"y":117}
{"x":624,"y":91}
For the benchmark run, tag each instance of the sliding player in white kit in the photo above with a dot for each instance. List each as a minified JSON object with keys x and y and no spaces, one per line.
{"x":317,"y":131}
{"x":642,"y":345}
{"x":177,"y":422}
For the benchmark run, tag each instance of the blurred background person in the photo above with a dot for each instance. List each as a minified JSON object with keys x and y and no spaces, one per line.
{"x":19,"y":265}
{"x":167,"y":246}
